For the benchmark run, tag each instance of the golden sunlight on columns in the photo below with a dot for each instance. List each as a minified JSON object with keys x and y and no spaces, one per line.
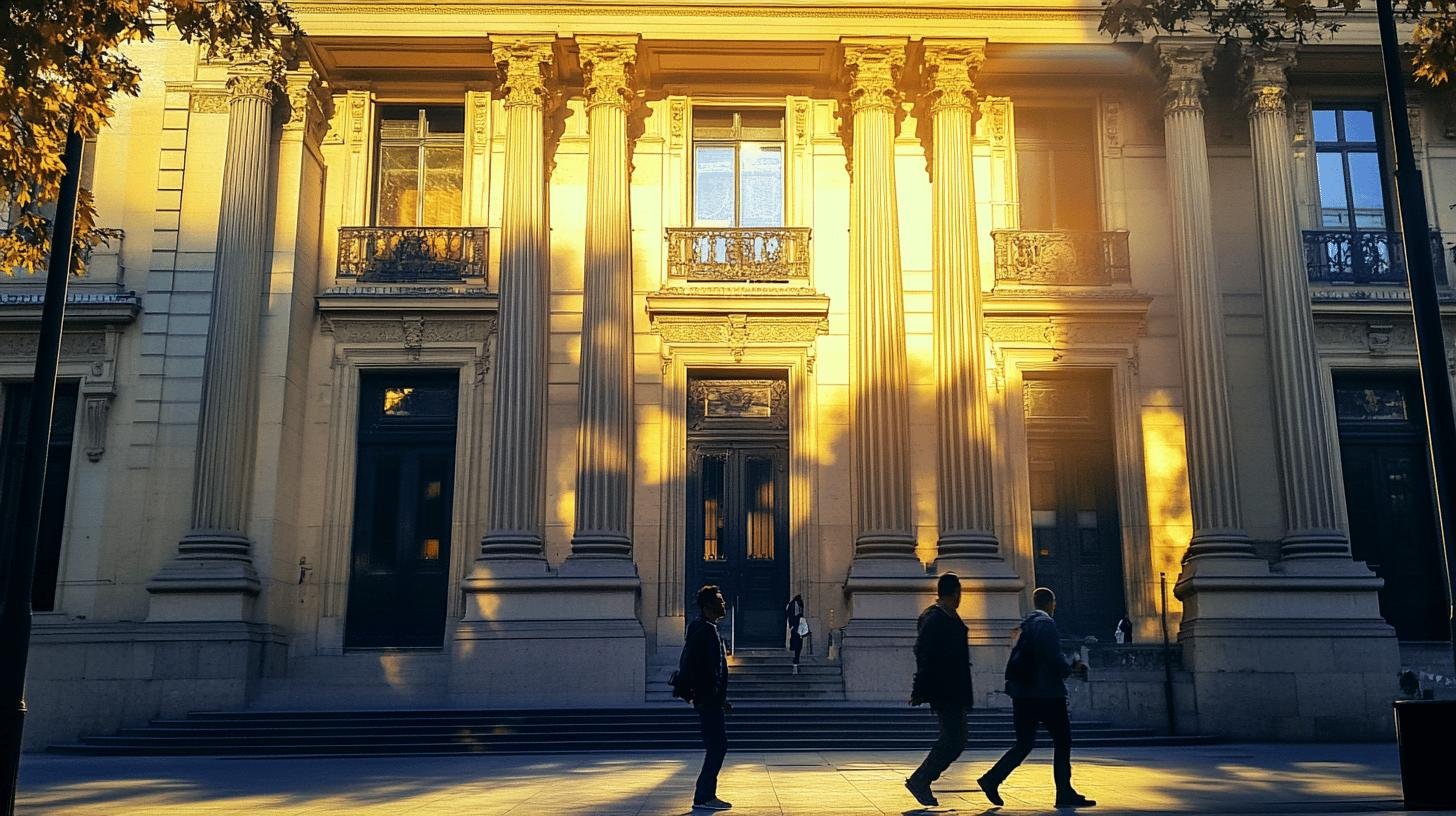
{"x":964,"y":452}
{"x":879,"y":402}
{"x":604,"y":441}
{"x":1306,"y":461}
{"x":215,"y":556}
{"x":1217,"y":521}
{"x":518,"y":429}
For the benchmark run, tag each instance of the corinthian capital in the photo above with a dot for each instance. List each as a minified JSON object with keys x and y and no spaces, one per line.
{"x":872,"y":73}
{"x":607,"y":64}
{"x":524,"y":64}
{"x":1265,"y":74}
{"x":1182,"y":62}
{"x":949,"y":74}
{"x":250,"y":81}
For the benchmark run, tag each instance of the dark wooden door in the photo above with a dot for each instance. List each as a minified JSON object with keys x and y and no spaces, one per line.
{"x":402,"y":510}
{"x":1388,"y":497}
{"x":57,"y":480}
{"x":738,"y":535}
{"x":1075,"y":529}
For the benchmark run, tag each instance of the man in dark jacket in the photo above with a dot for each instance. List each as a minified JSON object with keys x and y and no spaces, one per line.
{"x":1035,"y":678}
{"x":705,"y":664}
{"x":943,"y":679}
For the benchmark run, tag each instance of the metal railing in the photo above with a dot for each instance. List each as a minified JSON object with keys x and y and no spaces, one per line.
{"x":403,"y":254}
{"x":1373,"y":257}
{"x":744,"y":254}
{"x":1061,"y":257}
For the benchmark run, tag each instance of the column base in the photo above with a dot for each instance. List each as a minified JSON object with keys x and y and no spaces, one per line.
{"x":211,"y":579}
{"x":1298,"y":651}
{"x":566,"y":638}
{"x":886,"y":596}
{"x":1315,"y":544}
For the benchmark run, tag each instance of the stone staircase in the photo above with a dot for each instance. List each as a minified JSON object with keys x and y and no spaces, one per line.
{"x":763,"y":676}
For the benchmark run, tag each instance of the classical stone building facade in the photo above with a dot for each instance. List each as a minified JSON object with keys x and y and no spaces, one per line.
{"x":443,"y":368}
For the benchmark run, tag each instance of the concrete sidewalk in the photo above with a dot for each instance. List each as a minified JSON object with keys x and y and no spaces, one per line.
{"x":1243,"y":779}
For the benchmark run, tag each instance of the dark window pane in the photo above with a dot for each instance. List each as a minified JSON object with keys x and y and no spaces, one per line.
{"x":712,"y":480}
{"x":761,"y":125}
{"x":444,"y":121}
{"x":759,"y":492}
{"x":1326,"y":128}
{"x":712,"y":123}
{"x":713,"y":188}
{"x":398,"y":195}
{"x":1360,"y":126}
{"x":399,"y":122}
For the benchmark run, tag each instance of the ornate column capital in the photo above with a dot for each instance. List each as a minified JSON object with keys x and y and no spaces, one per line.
{"x":250,"y":81}
{"x":1265,"y":77}
{"x":607,"y":66}
{"x":310,"y":105}
{"x":872,"y":72}
{"x":526,"y":66}
{"x":948,"y":74}
{"x":1182,"y":62}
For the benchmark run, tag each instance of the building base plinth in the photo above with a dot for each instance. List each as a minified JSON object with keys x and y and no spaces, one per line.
{"x":886,"y":596}
{"x":1296,"y":652}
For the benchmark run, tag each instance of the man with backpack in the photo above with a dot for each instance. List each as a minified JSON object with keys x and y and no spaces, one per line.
{"x":942,"y":679}
{"x":1035,"y":677}
{"x":702,"y":679}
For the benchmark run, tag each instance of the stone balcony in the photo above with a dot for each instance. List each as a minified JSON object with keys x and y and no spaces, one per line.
{"x":413,"y":254}
{"x":1061,"y":258}
{"x":738,"y":254}
{"x":1336,"y":258}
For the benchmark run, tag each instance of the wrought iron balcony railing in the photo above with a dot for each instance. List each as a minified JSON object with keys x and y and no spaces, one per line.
{"x":1061,"y":257}
{"x":744,"y":254}
{"x":1373,"y":257}
{"x":403,"y":254}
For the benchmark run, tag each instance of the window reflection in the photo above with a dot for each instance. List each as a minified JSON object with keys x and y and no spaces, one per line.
{"x":420,"y":176}
{"x":738,"y":168}
{"x":713,"y":508}
{"x":759,"y":489}
{"x":1347,"y":160}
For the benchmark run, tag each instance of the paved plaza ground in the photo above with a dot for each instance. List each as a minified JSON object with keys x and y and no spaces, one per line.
{"x":1242,"y":779}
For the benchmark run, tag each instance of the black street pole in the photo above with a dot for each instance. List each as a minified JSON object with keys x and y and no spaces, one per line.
{"x":20,"y":572}
{"x":1421,"y":278}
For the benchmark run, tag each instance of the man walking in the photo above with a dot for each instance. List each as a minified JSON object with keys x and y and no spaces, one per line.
{"x":1035,"y":678}
{"x":942,"y":679}
{"x":705,"y":664}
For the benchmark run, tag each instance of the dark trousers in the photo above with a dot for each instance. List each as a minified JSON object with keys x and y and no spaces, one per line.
{"x":1026,"y":715}
{"x":951,"y":743}
{"x":715,"y":745}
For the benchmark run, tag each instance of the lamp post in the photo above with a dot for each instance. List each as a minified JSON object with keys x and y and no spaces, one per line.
{"x":1430,"y":348}
{"x":15,"y":607}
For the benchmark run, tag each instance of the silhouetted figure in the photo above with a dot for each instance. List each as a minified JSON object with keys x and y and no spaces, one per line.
{"x":942,"y":679}
{"x":798,"y":627}
{"x":1123,"y":634}
{"x":705,"y":664}
{"x":1035,"y":677}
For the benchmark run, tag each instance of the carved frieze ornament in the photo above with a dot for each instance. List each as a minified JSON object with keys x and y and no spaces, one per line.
{"x":607,"y":68}
{"x":1265,"y":75}
{"x":526,"y":65}
{"x":1182,"y":68}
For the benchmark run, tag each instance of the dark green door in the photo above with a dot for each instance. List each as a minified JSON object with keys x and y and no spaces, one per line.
{"x":738,"y":502}
{"x":1388,"y":497}
{"x":402,"y":510}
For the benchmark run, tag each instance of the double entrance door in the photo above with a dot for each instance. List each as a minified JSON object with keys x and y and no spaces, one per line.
{"x":404,"y":489}
{"x":737,"y":514}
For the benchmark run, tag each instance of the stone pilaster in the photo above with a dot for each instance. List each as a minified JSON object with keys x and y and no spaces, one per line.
{"x":967,"y":541}
{"x":514,"y":515}
{"x":604,"y":442}
{"x":879,"y":399}
{"x":1302,"y":409}
{"x":887,"y":586}
{"x":1213,"y":484}
{"x":213,"y":577}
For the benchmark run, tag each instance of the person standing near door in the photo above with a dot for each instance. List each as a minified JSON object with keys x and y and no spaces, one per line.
{"x":1035,"y":681}
{"x":942,"y":679}
{"x":705,"y":662}
{"x":798,"y":627}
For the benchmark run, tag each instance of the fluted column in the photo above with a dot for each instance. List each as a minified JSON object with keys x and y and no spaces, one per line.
{"x":514,"y":519}
{"x":1217,"y":520}
{"x":1301,"y":408}
{"x":604,"y":441}
{"x":215,"y":556}
{"x":962,"y":415}
{"x":879,"y":399}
